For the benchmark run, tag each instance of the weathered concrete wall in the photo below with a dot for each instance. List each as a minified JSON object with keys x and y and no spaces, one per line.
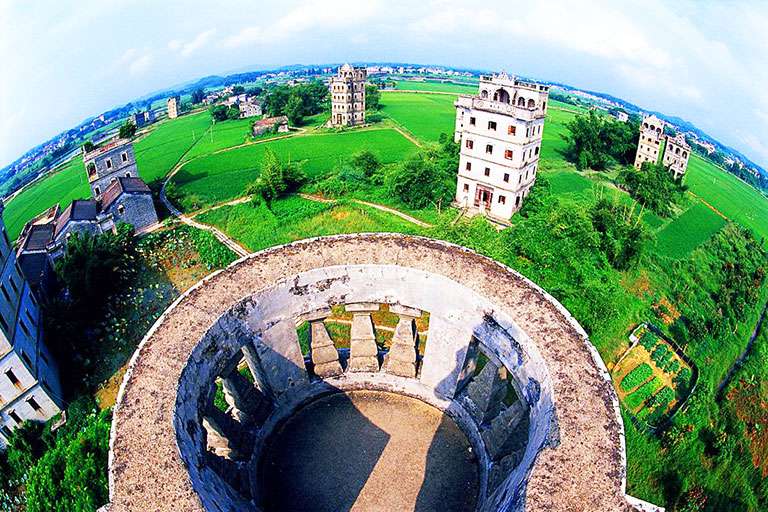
{"x":554,"y":363}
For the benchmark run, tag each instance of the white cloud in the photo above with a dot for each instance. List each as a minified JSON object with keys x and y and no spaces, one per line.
{"x":139,"y":66}
{"x":460,"y":21}
{"x":187,"y":49}
{"x":327,"y":15}
{"x":655,"y":80}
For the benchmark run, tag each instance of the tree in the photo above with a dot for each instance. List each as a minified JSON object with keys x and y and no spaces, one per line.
{"x":367,"y":162}
{"x":597,"y":142}
{"x":88,"y":146}
{"x":238,"y":89}
{"x":275,"y":178}
{"x":420,"y":181}
{"x":224,"y":113}
{"x":197,"y":96}
{"x":654,"y":186}
{"x":294,"y":109}
{"x":372,"y":97}
{"x":127,"y":130}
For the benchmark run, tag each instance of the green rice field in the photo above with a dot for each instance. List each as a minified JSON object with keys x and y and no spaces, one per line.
{"x":426,"y":116}
{"x":435,"y":86}
{"x":691,"y":229}
{"x":731,"y":196}
{"x":223,"y":176}
{"x":166,"y":144}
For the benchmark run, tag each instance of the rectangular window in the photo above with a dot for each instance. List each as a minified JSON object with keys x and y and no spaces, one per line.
{"x":506,"y":177}
{"x":5,"y":292}
{"x":471,"y":121}
{"x":519,"y":179}
{"x":492,"y":125}
{"x":527,"y":132}
{"x":466,"y":187}
{"x":24,"y":328}
{"x":508,"y":154}
{"x":42,"y":356}
{"x":26,"y":359}
{"x":489,"y":149}
{"x":12,"y":377}
{"x":469,"y":166}
{"x":14,"y":417}
{"x":13,"y":285}
{"x":4,"y":324}
{"x":487,"y":171}
{"x":33,"y":404}
{"x":502,"y":200}
{"x":470,"y":144}
{"x":109,"y":163}
{"x":120,"y":210}
{"x":512,"y":129}
{"x":124,"y":156}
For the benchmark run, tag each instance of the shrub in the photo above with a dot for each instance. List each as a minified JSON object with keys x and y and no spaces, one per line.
{"x":637,"y":376}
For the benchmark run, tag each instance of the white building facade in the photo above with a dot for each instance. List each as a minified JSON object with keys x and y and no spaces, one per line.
{"x":676,"y":154}
{"x":29,"y":377}
{"x":500,"y":131}
{"x":649,"y":145}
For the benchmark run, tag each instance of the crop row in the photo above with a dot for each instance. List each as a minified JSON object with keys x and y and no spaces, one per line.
{"x":637,"y":376}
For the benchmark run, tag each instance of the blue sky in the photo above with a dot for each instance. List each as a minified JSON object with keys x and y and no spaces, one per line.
{"x":704,"y":61}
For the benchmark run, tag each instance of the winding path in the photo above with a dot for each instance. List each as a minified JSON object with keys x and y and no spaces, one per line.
{"x":735,"y":366}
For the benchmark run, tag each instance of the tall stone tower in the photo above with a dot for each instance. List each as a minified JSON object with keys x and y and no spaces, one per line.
{"x":348,"y":96}
{"x":676,"y":154}
{"x":500,"y":130}
{"x":104,"y":165}
{"x":174,"y":107}
{"x":651,"y":133}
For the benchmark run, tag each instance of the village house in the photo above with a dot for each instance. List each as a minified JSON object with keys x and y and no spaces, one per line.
{"x":251,"y":108}
{"x":29,"y":378}
{"x":347,"y":90}
{"x":118,"y":195}
{"x":500,"y":132}
{"x":274,"y":124}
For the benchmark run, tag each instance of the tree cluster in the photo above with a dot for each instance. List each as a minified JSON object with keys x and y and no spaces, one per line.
{"x":654,"y":186}
{"x":224,"y":113}
{"x":296,"y":102}
{"x":64,"y":470}
{"x":127,"y":130}
{"x":372,"y":97}
{"x":197,"y":96}
{"x":599,"y":142}
{"x":276,"y":178}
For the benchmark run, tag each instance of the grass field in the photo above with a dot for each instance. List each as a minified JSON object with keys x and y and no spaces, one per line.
{"x":691,"y":229}
{"x":433,"y":86}
{"x":731,"y":196}
{"x":424,"y":115}
{"x":225,"y":135}
{"x":224,"y":176}
{"x":61,"y":187}
{"x":160,"y":151}
{"x":294,"y":218}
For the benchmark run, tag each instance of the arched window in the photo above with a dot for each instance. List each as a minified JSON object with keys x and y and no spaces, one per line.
{"x":677,"y":151}
{"x":484,"y":94}
{"x":645,"y":125}
{"x":531,"y":104}
{"x":521,"y":102}
{"x":501,"y":95}
{"x":685,"y":154}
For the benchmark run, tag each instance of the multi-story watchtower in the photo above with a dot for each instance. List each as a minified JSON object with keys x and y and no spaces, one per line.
{"x":29,"y":377}
{"x":648,"y":147}
{"x":348,"y":96}
{"x":500,"y":131}
{"x":104,"y":165}
{"x":676,"y":154}
{"x":174,"y":107}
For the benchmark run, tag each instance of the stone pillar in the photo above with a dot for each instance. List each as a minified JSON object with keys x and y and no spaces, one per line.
{"x":486,"y":391}
{"x":403,"y":351}
{"x":445,"y":353}
{"x":499,"y":438}
{"x":218,"y":442}
{"x":325,"y":357}
{"x":363,"y":352}
{"x":237,"y":391}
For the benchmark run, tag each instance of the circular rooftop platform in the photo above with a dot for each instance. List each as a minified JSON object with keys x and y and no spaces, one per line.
{"x":500,"y":378}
